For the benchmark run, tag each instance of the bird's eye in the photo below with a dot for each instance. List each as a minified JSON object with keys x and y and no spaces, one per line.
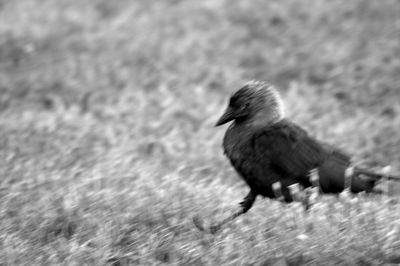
{"x":244,"y":106}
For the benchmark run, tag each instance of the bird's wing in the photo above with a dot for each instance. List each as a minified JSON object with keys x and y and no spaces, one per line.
{"x":289,"y":150}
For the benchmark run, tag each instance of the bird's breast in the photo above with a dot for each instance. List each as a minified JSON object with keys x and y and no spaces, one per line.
{"x":237,"y":147}
{"x":235,"y":143}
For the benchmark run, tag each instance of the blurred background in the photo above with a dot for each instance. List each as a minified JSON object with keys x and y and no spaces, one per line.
{"x":107,"y":110}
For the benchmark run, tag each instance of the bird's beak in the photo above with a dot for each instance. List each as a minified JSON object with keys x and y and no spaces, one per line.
{"x":228,"y":115}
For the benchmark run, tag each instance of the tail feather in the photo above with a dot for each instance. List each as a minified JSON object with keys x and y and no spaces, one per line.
{"x":332,"y":175}
{"x":376,"y":175}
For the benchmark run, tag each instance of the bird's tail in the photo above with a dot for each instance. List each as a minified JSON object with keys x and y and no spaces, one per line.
{"x":338,"y":173}
{"x":359,"y":179}
{"x":376,"y":175}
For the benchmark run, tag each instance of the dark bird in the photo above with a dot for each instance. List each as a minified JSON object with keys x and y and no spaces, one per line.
{"x":272,"y":153}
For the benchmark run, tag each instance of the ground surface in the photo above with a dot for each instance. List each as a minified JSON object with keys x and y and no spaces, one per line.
{"x":107,"y":144}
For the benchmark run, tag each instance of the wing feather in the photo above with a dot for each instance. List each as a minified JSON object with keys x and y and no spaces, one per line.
{"x":289,"y":150}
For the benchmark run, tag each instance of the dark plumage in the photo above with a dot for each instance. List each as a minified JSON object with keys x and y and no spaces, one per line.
{"x":283,"y":152}
{"x":266,"y":148}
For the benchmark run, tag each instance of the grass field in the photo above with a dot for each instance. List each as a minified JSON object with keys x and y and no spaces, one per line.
{"x":107,"y":144}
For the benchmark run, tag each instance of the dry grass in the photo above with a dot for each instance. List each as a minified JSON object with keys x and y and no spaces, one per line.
{"x":107,"y":142}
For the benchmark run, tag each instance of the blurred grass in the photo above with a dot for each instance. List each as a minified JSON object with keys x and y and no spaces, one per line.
{"x":107,"y":140}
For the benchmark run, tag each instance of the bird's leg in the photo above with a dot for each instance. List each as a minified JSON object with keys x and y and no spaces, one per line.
{"x":277,"y":189}
{"x":312,"y":193}
{"x":248,"y":202}
{"x":314,"y":179}
{"x":348,"y":176}
{"x":294,"y":190}
{"x":385,"y":180}
{"x":245,"y":205}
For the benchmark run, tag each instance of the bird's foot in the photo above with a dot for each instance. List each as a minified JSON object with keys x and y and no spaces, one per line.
{"x":214,"y":229}
{"x":198,"y":222}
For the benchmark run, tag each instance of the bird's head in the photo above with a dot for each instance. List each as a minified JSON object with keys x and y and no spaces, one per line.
{"x":256,"y":103}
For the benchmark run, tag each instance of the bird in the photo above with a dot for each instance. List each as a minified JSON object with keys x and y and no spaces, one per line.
{"x":272,"y":154}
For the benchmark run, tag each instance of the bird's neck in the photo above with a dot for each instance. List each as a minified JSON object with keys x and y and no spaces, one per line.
{"x":263,"y":119}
